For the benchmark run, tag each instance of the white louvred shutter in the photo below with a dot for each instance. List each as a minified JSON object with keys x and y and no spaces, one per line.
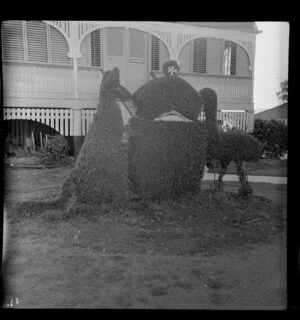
{"x":96,"y":48}
{"x":37,"y":41}
{"x":242,"y":63}
{"x":185,"y":57}
{"x":12,"y":41}
{"x":163,"y":54}
{"x":85,"y":51}
{"x":200,"y":55}
{"x":137,"y":47}
{"x":155,"y":65}
{"x":214,"y":56}
{"x":115,"y":42}
{"x":59,"y":48}
{"x":229,"y":58}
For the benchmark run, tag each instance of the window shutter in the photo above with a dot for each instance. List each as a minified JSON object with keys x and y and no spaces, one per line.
{"x":229,"y":65}
{"x":242,"y":63}
{"x":37,"y":41}
{"x":185,"y":57}
{"x":115,"y":41}
{"x":214,"y":56}
{"x":200,"y":50}
{"x":85,"y":51}
{"x":137,"y":46}
{"x":59,"y":48}
{"x":12,"y":41}
{"x":96,"y":47}
{"x":155,"y":53}
{"x":163,"y":54}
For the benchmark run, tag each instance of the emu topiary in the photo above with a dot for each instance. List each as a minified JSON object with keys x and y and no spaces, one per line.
{"x":100,"y":172}
{"x":164,"y":94}
{"x":237,"y":146}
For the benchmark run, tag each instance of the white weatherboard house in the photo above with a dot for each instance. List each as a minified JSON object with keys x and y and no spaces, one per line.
{"x":51,"y":69}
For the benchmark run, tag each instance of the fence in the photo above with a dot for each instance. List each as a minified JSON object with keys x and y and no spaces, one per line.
{"x":62,"y":120}
{"x":240,"y":118}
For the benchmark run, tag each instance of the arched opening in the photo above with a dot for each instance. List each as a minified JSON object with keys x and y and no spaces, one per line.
{"x":213,"y":56}
{"x":136,"y":53}
{"x":25,"y":134}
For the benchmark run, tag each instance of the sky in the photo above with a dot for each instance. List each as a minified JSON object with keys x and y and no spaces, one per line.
{"x":271,"y":63}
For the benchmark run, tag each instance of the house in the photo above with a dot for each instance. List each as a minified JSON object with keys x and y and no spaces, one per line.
{"x":279,"y":113}
{"x":52,"y":69}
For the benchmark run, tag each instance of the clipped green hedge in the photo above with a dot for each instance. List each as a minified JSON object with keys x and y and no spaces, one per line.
{"x":100,"y":173}
{"x":167,"y":93}
{"x":167,"y":159}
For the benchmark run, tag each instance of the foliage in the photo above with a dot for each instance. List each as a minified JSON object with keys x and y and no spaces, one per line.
{"x":238,"y":146}
{"x":55,"y":150}
{"x":164,"y":94}
{"x":227,"y":144}
{"x":100,"y":172}
{"x":283,"y":94}
{"x":273,"y":136}
{"x":167,"y":159}
{"x":209,"y":100}
{"x":170,"y":67}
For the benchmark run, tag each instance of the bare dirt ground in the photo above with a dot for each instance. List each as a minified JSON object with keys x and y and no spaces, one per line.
{"x":173,"y":255}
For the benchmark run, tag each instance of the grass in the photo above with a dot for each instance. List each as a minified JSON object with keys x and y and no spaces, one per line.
{"x":264,"y":167}
{"x":215,"y":250}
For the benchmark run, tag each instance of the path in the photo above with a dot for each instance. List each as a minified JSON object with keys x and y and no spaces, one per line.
{"x":233,"y":177}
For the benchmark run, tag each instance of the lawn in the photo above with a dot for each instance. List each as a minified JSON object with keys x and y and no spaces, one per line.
{"x":264,"y":167}
{"x":213,"y":251}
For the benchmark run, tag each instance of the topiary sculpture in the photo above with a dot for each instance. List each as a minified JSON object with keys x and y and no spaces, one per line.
{"x":224,"y":147}
{"x":170,"y":68}
{"x":100,"y":172}
{"x":164,"y":94}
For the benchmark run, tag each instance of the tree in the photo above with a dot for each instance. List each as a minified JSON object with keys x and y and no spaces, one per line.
{"x":283,"y":93}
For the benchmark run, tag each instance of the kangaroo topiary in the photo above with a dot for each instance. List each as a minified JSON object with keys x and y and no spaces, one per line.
{"x":100,"y":172}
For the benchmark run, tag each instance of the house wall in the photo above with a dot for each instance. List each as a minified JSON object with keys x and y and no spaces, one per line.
{"x":77,"y":86}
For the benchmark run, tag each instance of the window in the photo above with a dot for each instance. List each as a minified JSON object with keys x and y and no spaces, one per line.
{"x":91,"y":50}
{"x":96,"y":48}
{"x":33,"y":41}
{"x":229,"y":65}
{"x":155,"y":53}
{"x":199,"y":58}
{"x":214,"y":56}
{"x":159,"y":54}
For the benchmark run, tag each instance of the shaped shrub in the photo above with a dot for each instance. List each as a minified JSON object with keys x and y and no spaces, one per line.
{"x":170,"y":67}
{"x":239,"y":146}
{"x":100,"y":172}
{"x":167,"y":159}
{"x":167,"y":93}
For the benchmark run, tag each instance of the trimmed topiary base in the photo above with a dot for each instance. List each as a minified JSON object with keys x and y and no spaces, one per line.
{"x":168,"y":160}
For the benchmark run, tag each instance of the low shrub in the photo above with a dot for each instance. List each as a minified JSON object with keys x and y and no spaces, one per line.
{"x":55,"y":151}
{"x":164,"y":94}
{"x":274,"y":137}
{"x":167,"y":159}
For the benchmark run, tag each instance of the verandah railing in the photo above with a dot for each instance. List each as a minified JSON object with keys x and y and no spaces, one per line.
{"x":62,"y":120}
